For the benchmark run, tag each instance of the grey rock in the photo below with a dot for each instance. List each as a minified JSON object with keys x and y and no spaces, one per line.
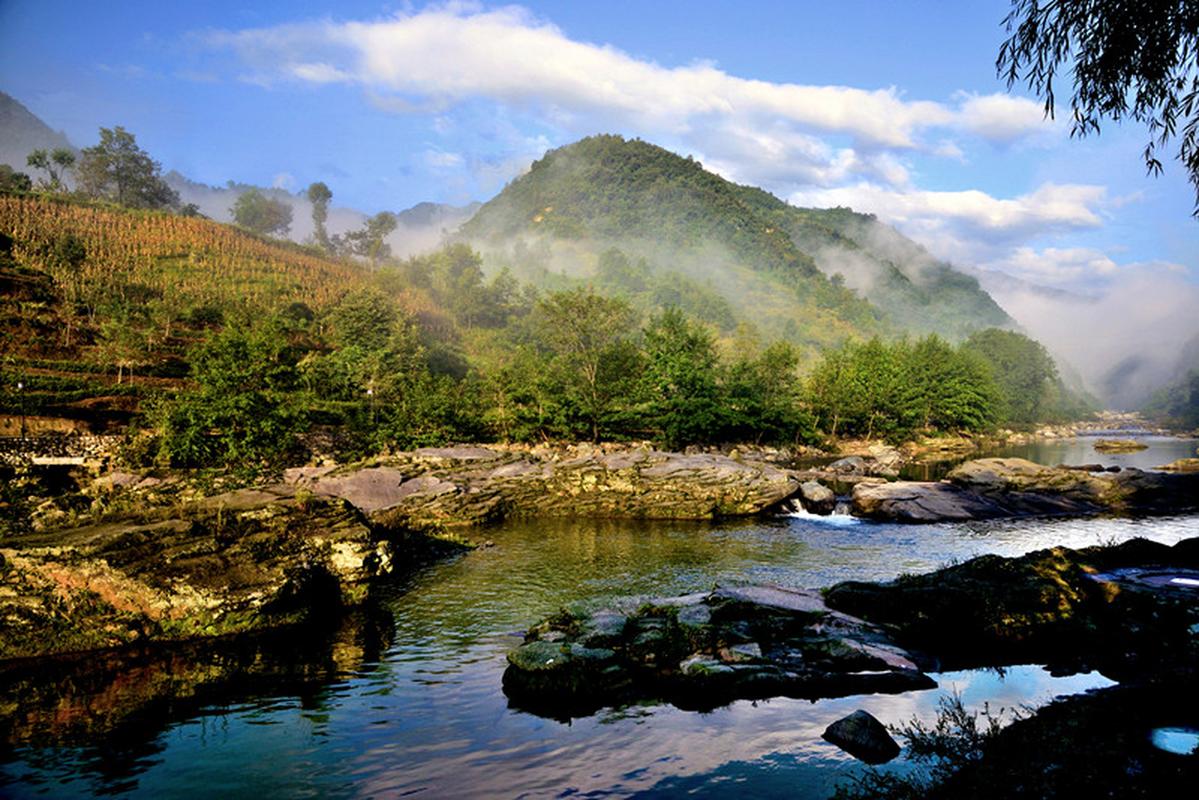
{"x":913,"y":501}
{"x":817,"y":498}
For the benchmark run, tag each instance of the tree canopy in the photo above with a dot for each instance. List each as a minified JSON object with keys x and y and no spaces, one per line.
{"x":117,"y":169}
{"x":1129,"y":61}
{"x":260,"y":214}
{"x":55,"y":163}
{"x":319,"y":195}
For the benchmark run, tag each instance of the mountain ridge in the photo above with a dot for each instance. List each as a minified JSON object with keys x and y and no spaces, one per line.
{"x":611,"y":191}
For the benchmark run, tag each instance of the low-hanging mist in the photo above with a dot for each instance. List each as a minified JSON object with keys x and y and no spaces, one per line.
{"x":1126,"y":340}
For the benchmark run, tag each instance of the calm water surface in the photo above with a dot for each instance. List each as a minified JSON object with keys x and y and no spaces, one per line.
{"x":411,"y":705}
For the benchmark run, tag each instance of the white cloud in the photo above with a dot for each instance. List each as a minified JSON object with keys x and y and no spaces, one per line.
{"x":1000,"y":117}
{"x":283,"y":180}
{"x":1050,"y":207}
{"x":1056,"y":265}
{"x":440,"y":159}
{"x":320,"y":73}
{"x":430,"y":61}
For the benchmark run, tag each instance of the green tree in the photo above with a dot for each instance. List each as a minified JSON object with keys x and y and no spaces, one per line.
{"x":55,"y":164}
{"x":363,"y":318}
{"x":67,"y":256}
{"x":266,"y":216}
{"x":1128,"y":61}
{"x":587,"y":337}
{"x":241,"y":412}
{"x":369,"y":241}
{"x":948,"y":388}
{"x":763,"y":397}
{"x":12,"y":181}
{"x":319,"y":195}
{"x":1024,"y":372}
{"x":684,"y":399}
{"x":117,"y":169}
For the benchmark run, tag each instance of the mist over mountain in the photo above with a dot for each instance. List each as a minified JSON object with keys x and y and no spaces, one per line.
{"x":22,"y":131}
{"x":809,"y":275}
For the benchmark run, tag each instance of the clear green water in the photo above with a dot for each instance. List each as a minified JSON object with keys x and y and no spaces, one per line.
{"x":411,"y":705}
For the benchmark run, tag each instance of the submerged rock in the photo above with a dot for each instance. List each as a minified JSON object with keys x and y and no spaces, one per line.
{"x":1119,"y":446}
{"x":702,"y":650}
{"x":862,"y":736}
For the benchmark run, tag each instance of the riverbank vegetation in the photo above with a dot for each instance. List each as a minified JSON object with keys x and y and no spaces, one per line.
{"x":230,"y":345}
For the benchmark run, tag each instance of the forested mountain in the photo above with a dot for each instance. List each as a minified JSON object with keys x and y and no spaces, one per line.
{"x":917,"y":292}
{"x":812,"y":276}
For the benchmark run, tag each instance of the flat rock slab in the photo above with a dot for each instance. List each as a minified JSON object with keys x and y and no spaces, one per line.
{"x":472,"y":485}
{"x":912,"y":501}
{"x":702,"y":650}
{"x":991,"y":488}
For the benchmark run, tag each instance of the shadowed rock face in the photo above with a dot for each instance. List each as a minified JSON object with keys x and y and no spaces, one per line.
{"x":243,"y":561}
{"x":1005,"y":487}
{"x":473,"y":485}
{"x":702,"y":650}
{"x":1128,"y":609}
{"x":862,"y":736}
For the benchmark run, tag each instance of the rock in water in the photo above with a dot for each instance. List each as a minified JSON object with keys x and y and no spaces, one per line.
{"x":817,"y":498}
{"x":863,"y":737}
{"x":1119,"y":445}
{"x":1181,"y":465}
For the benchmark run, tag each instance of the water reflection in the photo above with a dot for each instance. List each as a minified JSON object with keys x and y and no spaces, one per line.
{"x":417,"y":706}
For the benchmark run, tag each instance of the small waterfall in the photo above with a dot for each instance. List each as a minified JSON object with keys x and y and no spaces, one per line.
{"x":840,"y":516}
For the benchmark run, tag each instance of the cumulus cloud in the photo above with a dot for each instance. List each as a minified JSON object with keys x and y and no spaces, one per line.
{"x":952,"y":219}
{"x":430,"y":61}
{"x":1000,"y":117}
{"x":1057,"y":265}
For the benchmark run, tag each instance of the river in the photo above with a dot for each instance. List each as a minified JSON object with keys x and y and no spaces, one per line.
{"x":408,"y":702}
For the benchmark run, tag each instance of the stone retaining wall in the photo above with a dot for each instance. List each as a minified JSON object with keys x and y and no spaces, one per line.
{"x":15,"y":450}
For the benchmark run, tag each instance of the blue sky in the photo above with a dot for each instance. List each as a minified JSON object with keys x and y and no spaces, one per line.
{"x":892,"y":108}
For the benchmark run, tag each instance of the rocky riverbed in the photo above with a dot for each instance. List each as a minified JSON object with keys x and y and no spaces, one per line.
{"x":138,"y":558}
{"x":149,"y":559}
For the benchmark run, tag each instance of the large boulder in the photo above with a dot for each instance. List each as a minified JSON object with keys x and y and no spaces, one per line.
{"x":817,"y":498}
{"x":862,"y":736}
{"x":916,"y":501}
{"x":1101,"y":605}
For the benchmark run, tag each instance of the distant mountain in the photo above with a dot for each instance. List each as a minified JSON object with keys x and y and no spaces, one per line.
{"x":814,"y":276}
{"x":21,"y":132}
